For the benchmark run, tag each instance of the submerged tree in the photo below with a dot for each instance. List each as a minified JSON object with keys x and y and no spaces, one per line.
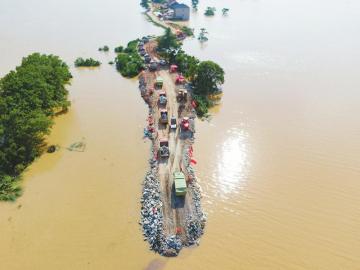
{"x":89,"y":62}
{"x":104,"y":49}
{"x":145,"y":4}
{"x":210,"y":11}
{"x":194,"y":4}
{"x":225,"y":11}
{"x":209,"y":77}
{"x":202,"y":36}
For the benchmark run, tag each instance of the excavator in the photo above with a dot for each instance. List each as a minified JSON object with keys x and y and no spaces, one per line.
{"x":182,"y":95}
{"x":164,"y":148}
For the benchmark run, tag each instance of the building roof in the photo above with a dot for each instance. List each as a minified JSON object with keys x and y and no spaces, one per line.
{"x":178,"y":5}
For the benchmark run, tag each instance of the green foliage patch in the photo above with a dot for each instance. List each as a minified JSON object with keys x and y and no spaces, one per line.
{"x":89,"y":62}
{"x":128,"y":61}
{"x":210,"y":11}
{"x":29,"y":97}
{"x":104,"y":49}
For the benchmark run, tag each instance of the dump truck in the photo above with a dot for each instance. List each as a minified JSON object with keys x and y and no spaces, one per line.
{"x":180,"y":184}
{"x":162,"y":98}
{"x":182,"y":95}
{"x":159,"y":82}
{"x":164,"y":116}
{"x":164,"y":148}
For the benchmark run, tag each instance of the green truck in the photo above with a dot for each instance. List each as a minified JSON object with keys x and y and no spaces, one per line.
{"x":180,"y":184}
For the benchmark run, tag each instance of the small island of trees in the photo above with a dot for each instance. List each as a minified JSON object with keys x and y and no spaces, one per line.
{"x":225,"y":11}
{"x":30,"y":96}
{"x":128,"y":61}
{"x":104,"y":49}
{"x":89,"y":62}
{"x":210,"y":11}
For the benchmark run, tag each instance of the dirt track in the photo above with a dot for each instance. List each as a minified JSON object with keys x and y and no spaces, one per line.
{"x":176,"y":211}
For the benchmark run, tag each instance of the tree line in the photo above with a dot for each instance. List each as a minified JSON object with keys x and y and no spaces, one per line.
{"x":29,"y":98}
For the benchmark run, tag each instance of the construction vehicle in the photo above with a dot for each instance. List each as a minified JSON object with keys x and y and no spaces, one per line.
{"x":147,"y":59}
{"x":173,"y":68}
{"x":180,"y":184}
{"x":159,"y":82}
{"x":180,"y":79}
{"x":153,"y":66}
{"x":173,"y":124}
{"x":185,"y":124}
{"x":162,"y":98}
{"x":164,"y":148}
{"x":182,"y":95}
{"x":164,"y":116}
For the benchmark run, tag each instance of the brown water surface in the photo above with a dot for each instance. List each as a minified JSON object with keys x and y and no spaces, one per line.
{"x":279,"y":162}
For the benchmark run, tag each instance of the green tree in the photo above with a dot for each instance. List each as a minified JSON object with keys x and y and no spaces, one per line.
{"x":210,"y":11}
{"x":145,"y":4}
{"x":187,"y":64}
{"x":195,"y":3}
{"x":119,"y":49}
{"x":168,"y":41}
{"x":9,"y":188}
{"x":104,"y":49}
{"x":89,"y":62}
{"x":209,"y":76}
{"x":29,"y":97}
{"x":128,"y":61}
{"x":225,"y":11}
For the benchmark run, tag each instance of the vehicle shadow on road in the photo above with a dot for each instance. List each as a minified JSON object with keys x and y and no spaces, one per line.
{"x":176,"y":201}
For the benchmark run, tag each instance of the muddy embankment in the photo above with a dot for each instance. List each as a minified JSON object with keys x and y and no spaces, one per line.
{"x":169,"y":222}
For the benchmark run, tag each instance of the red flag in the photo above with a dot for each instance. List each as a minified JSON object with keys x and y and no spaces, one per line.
{"x":193,"y":103}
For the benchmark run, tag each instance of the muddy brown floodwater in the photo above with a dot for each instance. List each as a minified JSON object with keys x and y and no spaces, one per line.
{"x":279,"y":163}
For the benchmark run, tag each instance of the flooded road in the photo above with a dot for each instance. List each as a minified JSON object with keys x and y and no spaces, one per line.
{"x":279,"y":163}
